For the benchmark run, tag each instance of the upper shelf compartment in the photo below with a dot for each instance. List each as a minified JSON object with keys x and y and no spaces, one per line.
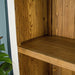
{"x":37,"y":18}
{"x":55,"y":50}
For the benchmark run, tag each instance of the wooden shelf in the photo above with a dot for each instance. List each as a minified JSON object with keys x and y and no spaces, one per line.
{"x":55,"y":50}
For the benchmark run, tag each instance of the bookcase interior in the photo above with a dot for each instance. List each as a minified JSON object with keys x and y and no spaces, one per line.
{"x":46,"y":33}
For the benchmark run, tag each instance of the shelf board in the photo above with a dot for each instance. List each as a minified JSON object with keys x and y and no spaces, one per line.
{"x":55,"y":50}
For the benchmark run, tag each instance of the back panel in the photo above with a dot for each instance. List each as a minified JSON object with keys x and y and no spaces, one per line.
{"x":31,"y":19}
{"x":63,"y":18}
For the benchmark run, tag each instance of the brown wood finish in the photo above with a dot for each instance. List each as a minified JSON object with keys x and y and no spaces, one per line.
{"x":31,"y":19}
{"x":63,"y":22}
{"x":66,"y":72}
{"x":49,"y":16}
{"x":31,"y":66}
{"x":36,"y":18}
{"x":56,"y":70}
{"x":63,"y":18}
{"x":68,"y":18}
{"x":73,"y":73}
{"x":50,"y":69}
{"x":61,"y":71}
{"x":55,"y":50}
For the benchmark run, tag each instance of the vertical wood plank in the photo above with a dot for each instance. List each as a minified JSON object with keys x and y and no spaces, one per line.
{"x":31,"y":19}
{"x":63,"y":18}
{"x":68,"y":18}
{"x":57,"y":70}
{"x":66,"y":72}
{"x":54,"y":17}
{"x":31,"y":66}
{"x":74,"y":16}
{"x":50,"y":69}
{"x":44,"y":6}
{"x":49,"y":15}
{"x":57,"y":17}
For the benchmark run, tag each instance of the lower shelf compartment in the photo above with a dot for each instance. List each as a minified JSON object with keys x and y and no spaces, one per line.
{"x":55,"y":50}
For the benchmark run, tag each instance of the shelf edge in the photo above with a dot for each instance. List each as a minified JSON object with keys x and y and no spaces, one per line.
{"x":47,"y":59}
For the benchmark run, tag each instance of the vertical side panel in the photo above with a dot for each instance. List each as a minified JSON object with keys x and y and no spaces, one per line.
{"x":31,"y":19}
{"x":13,"y":40}
{"x":31,"y":66}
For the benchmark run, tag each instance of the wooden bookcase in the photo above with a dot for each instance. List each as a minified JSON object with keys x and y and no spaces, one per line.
{"x":46,"y":36}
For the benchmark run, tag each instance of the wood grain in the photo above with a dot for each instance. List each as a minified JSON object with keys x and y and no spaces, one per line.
{"x":68,"y":18}
{"x":57,"y":19}
{"x":31,"y":66}
{"x":31,"y":19}
{"x":63,"y":22}
{"x":73,"y":73}
{"x":54,"y":50}
{"x":56,"y":70}
{"x":50,"y":69}
{"x":66,"y":72}
{"x":54,"y":17}
{"x":36,"y":18}
{"x":61,"y":71}
{"x":63,"y":18}
{"x":49,"y":16}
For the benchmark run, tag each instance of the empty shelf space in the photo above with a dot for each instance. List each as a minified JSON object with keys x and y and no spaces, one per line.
{"x":55,"y":50}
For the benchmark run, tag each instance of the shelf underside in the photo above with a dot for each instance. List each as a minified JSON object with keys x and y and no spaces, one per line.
{"x":55,"y":50}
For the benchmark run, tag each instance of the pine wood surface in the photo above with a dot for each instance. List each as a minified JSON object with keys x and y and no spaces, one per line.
{"x":63,"y":18}
{"x":31,"y":19}
{"x":55,"y":50}
{"x":36,"y":18}
{"x":63,"y":23}
{"x":31,"y":66}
